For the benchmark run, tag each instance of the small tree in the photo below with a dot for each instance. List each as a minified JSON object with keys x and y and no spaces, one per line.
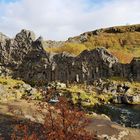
{"x":66,"y":124}
{"x":61,"y":123}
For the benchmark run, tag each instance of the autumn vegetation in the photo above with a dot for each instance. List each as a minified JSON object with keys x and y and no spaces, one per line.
{"x":122,"y":41}
{"x":61,"y":122}
{"x":72,"y":48}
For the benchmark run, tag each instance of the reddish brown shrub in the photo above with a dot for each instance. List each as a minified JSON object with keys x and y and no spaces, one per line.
{"x":61,"y":123}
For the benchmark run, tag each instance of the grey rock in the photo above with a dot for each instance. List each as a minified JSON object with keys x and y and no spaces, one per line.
{"x":117,"y":99}
{"x":113,"y":91}
{"x":105,"y":90}
{"x":24,"y":57}
{"x":3,"y":37}
{"x":27,"y":87}
{"x":127,"y":99}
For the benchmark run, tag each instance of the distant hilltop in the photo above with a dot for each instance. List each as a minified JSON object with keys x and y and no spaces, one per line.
{"x":118,"y":29}
{"x":107,"y":31}
{"x":122,"y":41}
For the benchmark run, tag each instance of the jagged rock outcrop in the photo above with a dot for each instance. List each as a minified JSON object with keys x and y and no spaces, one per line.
{"x":2,"y":37}
{"x":135,"y":68}
{"x":13,"y":51}
{"x":24,"y":57}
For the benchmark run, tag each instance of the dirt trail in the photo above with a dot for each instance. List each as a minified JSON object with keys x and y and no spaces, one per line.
{"x":28,"y":110}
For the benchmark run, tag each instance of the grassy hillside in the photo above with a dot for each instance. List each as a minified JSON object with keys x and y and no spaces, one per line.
{"x":122,"y":41}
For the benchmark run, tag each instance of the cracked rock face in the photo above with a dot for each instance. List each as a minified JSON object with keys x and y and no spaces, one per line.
{"x":24,"y":57}
{"x":13,"y":51}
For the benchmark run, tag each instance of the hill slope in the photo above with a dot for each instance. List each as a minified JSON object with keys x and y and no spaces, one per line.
{"x":122,"y":41}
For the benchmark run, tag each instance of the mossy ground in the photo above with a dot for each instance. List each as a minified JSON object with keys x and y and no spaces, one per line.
{"x":87,"y":98}
{"x":12,"y":89}
{"x":9,"y":81}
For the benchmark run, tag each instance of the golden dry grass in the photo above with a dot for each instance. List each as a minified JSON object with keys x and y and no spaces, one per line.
{"x":120,"y":41}
{"x":72,"y":48}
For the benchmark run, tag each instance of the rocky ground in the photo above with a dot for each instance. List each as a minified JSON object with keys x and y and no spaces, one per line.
{"x":123,"y":92}
{"x":20,"y":101}
{"x":101,"y":124}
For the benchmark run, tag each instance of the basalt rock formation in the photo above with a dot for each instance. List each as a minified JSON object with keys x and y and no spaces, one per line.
{"x":24,"y":57}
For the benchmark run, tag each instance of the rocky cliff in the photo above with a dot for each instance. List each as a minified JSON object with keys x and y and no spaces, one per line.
{"x":24,"y":57}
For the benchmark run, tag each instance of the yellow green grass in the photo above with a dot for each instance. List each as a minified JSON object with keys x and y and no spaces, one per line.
{"x":13,"y":89}
{"x":88,"y":98}
{"x":124,"y":44}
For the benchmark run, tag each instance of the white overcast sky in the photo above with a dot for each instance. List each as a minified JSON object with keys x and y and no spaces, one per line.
{"x":60,"y":19}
